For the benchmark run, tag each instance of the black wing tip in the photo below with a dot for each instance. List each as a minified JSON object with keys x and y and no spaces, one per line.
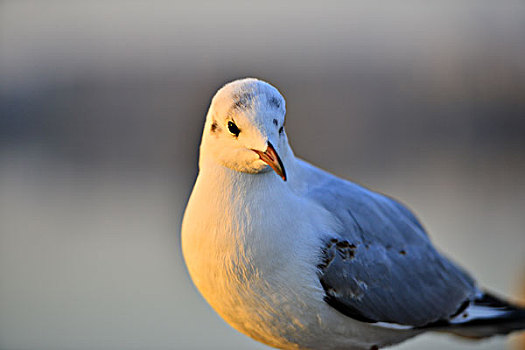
{"x":490,"y":300}
{"x":513,"y":318}
{"x":510,"y":320}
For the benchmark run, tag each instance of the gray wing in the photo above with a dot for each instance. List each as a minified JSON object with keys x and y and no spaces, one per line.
{"x":381,"y":266}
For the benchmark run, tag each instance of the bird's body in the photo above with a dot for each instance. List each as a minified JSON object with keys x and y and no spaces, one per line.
{"x":312,"y":262}
{"x":246,"y":266}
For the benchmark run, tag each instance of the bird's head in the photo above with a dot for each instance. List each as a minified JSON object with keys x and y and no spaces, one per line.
{"x":244,"y":128}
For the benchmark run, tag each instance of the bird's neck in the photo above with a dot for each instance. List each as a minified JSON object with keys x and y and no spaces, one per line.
{"x":226,"y":180}
{"x":229,"y":186}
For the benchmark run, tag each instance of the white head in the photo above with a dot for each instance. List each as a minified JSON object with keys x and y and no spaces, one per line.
{"x":244,"y":128}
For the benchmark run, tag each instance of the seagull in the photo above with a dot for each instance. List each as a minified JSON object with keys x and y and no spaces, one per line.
{"x":297,"y":258}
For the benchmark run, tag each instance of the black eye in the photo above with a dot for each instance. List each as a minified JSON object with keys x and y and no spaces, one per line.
{"x":233,"y":128}
{"x":281,"y":130}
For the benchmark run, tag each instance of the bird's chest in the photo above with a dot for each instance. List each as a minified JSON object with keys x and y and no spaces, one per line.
{"x":246,"y":263}
{"x":237,"y":249}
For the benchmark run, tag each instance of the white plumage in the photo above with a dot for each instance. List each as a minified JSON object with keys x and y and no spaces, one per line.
{"x":313,"y":261}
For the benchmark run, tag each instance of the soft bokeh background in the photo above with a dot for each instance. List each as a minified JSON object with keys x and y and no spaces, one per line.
{"x":102,"y":104}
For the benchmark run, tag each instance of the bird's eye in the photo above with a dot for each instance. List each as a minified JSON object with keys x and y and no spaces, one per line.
{"x":233,"y":128}
{"x":281,"y":130}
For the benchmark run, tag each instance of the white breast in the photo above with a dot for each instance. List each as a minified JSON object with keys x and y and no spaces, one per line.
{"x":255,"y":261}
{"x":244,"y":251}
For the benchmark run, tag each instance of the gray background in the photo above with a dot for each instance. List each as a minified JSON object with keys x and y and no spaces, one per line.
{"x":102,"y":105}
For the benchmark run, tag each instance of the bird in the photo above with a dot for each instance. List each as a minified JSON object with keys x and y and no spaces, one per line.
{"x":297,"y":258}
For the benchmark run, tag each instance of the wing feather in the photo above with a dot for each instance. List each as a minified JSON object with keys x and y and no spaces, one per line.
{"x":381,"y":266}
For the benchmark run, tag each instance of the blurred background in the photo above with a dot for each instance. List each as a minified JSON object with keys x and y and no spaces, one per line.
{"x":101,"y":109}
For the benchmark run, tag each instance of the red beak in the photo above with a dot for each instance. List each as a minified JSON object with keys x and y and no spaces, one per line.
{"x":271,"y":158}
